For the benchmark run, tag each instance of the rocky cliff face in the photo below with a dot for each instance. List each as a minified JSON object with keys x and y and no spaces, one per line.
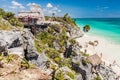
{"x":55,"y":52}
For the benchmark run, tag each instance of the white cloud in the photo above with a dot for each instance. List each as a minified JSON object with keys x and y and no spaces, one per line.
{"x":51,"y":9}
{"x":49,"y":5}
{"x":28,"y":4}
{"x":101,"y":9}
{"x":22,"y":7}
{"x":13,"y":7}
{"x":16,"y":5}
{"x":59,"y":10}
{"x":31,"y":4}
{"x":54,"y":8}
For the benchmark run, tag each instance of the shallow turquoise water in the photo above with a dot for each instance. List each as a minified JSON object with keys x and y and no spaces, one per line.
{"x":108,"y":28}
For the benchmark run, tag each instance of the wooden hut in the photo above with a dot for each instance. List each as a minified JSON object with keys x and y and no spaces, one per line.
{"x":94,"y":59}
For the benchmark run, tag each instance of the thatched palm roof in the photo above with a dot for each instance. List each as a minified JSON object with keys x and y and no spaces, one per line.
{"x":94,"y":59}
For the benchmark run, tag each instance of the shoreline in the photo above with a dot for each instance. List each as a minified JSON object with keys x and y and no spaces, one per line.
{"x":110,"y":52}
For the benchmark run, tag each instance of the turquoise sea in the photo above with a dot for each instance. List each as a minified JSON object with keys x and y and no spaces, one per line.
{"x":108,"y":28}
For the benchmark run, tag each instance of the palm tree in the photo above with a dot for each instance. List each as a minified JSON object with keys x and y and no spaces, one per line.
{"x":86,"y":28}
{"x":65,"y":16}
{"x":53,"y":16}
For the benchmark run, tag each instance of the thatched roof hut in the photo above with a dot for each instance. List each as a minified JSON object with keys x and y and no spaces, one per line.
{"x":94,"y":59}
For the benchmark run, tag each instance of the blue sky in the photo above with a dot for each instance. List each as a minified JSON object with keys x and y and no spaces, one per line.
{"x":76,"y":8}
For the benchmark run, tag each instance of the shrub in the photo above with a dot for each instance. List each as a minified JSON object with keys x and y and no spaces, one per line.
{"x":61,"y":43}
{"x":9,"y":58}
{"x":53,"y":67}
{"x":59,"y":75}
{"x":70,"y":74}
{"x":47,"y":17}
{"x":56,"y":27}
{"x":66,"y":62}
{"x":86,"y":28}
{"x":68,"y":19}
{"x":25,"y":64}
{"x":1,"y":58}
{"x":98,"y":77}
{"x":9,"y":16}
{"x":50,"y":30}
{"x":85,"y":54}
{"x":61,"y":50}
{"x":77,"y":63}
{"x":52,"y":53}
{"x":46,"y":38}
{"x":57,"y":59}
{"x":72,"y":41}
{"x":85,"y":62}
{"x":38,"y":46}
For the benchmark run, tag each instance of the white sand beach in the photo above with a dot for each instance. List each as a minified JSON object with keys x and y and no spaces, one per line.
{"x":110,"y":52}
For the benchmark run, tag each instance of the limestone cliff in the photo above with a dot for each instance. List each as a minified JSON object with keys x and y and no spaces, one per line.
{"x":54,"y":51}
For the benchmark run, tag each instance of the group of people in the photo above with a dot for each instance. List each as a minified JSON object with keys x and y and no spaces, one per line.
{"x":27,"y":19}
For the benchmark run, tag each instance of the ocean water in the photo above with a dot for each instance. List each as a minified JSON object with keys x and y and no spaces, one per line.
{"x":108,"y":28}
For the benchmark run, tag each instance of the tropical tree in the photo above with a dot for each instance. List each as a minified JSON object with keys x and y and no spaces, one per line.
{"x":65,"y":16}
{"x":53,"y":14}
{"x":86,"y":28}
{"x":8,"y":15}
{"x":2,"y":12}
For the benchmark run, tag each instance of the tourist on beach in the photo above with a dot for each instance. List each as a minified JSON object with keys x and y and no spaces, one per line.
{"x":86,"y":45}
{"x":114,"y":63}
{"x":85,"y":51}
{"x":101,"y":55}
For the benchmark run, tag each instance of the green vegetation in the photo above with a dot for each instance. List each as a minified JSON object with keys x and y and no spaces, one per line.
{"x":1,"y":58}
{"x":86,"y":28}
{"x":53,"y":67}
{"x":9,"y":58}
{"x":85,"y":62}
{"x":59,"y":75}
{"x":98,"y":77}
{"x":85,"y":54}
{"x":46,"y":38}
{"x":77,"y":63}
{"x":25,"y":64}
{"x":54,"y":55}
{"x":70,"y":74}
{"x":38,"y":46}
{"x":55,"y":37}
{"x":66,"y":62}
{"x":9,"y":16}
{"x":47,"y":17}
{"x":72,"y":41}
{"x":68,"y":19}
